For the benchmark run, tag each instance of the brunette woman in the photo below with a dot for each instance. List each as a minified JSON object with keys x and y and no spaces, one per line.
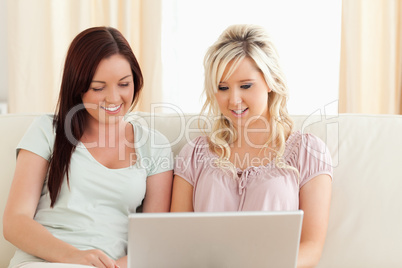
{"x":78,"y":173}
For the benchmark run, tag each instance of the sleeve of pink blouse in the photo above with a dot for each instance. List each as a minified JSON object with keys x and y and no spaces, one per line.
{"x":314,"y":158}
{"x":188,"y":162}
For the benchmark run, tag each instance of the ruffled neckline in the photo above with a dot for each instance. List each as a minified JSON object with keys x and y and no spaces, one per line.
{"x":291,"y":151}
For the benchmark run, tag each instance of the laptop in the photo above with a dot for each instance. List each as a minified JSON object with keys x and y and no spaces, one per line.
{"x":214,"y":239}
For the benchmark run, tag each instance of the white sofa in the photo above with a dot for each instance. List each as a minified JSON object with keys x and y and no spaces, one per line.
{"x":365,"y":227}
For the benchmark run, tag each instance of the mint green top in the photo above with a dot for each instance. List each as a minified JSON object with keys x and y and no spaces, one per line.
{"x":92,"y":212}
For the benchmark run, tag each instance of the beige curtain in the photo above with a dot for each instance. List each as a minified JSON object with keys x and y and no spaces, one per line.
{"x":40,"y":31}
{"x":371,"y":57}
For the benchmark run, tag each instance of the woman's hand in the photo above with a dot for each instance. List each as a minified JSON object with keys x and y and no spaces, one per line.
{"x":122,"y":262}
{"x":92,"y":257}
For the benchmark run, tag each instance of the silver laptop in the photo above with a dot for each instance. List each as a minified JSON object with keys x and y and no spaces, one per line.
{"x":224,"y":239}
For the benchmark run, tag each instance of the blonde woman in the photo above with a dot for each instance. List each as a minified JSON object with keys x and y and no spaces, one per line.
{"x":252,"y":159}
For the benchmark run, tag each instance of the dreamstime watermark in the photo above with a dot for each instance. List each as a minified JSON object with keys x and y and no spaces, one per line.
{"x":152,"y":163}
{"x":181,"y":128}
{"x":106,"y":131}
{"x":323,"y":121}
{"x":169,"y":160}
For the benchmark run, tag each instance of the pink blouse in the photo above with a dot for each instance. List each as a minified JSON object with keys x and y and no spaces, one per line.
{"x":257,"y":188}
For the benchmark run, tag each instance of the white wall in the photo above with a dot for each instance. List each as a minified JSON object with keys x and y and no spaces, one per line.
{"x":3,"y":52}
{"x":306,"y":33}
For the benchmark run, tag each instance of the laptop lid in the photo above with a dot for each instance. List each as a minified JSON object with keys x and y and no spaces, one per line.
{"x":224,"y":239}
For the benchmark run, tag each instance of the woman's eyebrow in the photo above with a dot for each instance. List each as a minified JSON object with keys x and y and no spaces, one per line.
{"x":95,"y":81}
{"x":125,"y":77}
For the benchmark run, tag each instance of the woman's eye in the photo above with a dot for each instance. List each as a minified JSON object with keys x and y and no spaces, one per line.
{"x":97,"y":88}
{"x":246,"y":86}
{"x":223,"y":88}
{"x":124,"y":84}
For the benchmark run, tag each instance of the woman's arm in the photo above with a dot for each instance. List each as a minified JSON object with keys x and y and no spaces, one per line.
{"x":315,"y":198}
{"x":157,"y":199}
{"x":158,"y":193}
{"x":182,"y":198}
{"x":24,"y":232}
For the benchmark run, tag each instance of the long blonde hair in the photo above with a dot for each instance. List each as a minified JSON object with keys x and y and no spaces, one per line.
{"x":233,"y":45}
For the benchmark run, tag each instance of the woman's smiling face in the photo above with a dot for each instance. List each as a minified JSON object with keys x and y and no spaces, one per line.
{"x":243,"y":96}
{"x":111,"y":91}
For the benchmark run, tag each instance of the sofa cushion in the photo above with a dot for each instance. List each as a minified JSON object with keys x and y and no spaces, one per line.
{"x":365,"y":218}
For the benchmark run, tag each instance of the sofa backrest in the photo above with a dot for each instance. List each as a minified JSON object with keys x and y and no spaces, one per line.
{"x":365,"y":219}
{"x":12,"y":128}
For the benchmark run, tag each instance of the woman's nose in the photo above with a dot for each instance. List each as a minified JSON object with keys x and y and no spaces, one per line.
{"x":235,"y":98}
{"x":113,"y":95}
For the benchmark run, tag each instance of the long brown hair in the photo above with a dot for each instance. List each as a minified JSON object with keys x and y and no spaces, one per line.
{"x":86,"y":51}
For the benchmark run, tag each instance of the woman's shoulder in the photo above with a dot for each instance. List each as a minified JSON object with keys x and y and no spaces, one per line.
{"x":198,"y":145}
{"x":299,"y":142}
{"x":44,"y":120}
{"x":192,"y":159}
{"x":200,"y":142}
{"x":39,"y":137}
{"x":42,"y":125}
{"x":304,"y":146}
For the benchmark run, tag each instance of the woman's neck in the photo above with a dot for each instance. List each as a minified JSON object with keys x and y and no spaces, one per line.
{"x":255,"y":135}
{"x":106,"y":133}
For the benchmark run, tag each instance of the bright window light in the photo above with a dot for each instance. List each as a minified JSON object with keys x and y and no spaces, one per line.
{"x":306,"y":33}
